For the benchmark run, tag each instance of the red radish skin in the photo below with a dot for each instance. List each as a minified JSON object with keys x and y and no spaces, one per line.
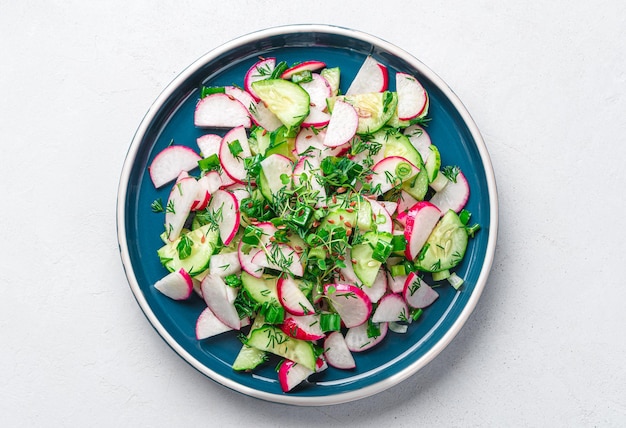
{"x":303,"y":66}
{"x":176,"y":285}
{"x":350,"y":302}
{"x":336,"y":352}
{"x":221,"y":111}
{"x":453,"y":196}
{"x":224,"y":205}
{"x":234,"y":166}
{"x":316,"y":118}
{"x":342,"y":126}
{"x":371,"y":77}
{"x":358,"y":340}
{"x":305,"y":327}
{"x":262,"y":69}
{"x":420,"y":222}
{"x":292,"y":374}
{"x":292,"y":298}
{"x":412,"y":98}
{"x":168,"y":164}
{"x":417,"y":293}
{"x":215,"y":294}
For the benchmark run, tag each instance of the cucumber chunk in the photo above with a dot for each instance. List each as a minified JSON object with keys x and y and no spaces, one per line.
{"x":272,"y":339}
{"x":366,"y":267}
{"x":287,"y":100}
{"x":445,"y":246}
{"x":203,"y":244}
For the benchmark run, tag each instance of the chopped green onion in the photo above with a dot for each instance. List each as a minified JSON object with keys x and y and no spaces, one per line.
{"x":252,"y":235}
{"x":398,"y":270}
{"x":302,"y":77}
{"x":210,"y":163}
{"x":455,"y":280}
{"x":232,"y":280}
{"x":330,"y":322}
{"x":398,"y":243}
{"x":184,"y":247}
{"x":205,"y":91}
{"x":273,"y":312}
{"x":416,"y":313}
{"x":373,"y":329}
{"x":235,"y":148}
{"x":382,"y":251}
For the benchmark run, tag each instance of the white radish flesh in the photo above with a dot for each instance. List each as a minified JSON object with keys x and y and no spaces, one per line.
{"x":304,"y":327}
{"x":208,"y":325}
{"x":358,"y":340}
{"x":292,"y":298}
{"x":337,"y":353}
{"x":350,"y":302}
{"x":412,"y":98}
{"x":215,"y":294}
{"x":236,"y":140}
{"x":262,"y":69}
{"x":168,"y":164}
{"x":391,"y":307}
{"x":179,"y":203}
{"x":176,"y":285}
{"x":420,"y":222}
{"x":342,"y":126}
{"x":453,"y":196}
{"x":371,"y":77}
{"x":225,"y":208}
{"x":221,"y":111}
{"x":417,"y":293}
{"x":224,"y":264}
{"x":392,"y":171}
{"x":280,"y":257}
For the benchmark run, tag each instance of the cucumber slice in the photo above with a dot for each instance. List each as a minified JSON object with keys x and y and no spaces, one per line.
{"x":248,"y":357}
{"x":287,"y":100}
{"x":259,"y":140}
{"x":398,"y":144}
{"x":366,"y":267}
{"x":433,"y":163}
{"x":272,"y":339}
{"x":374,"y":109}
{"x":262,"y":290}
{"x":203,"y":244}
{"x":445,"y":246}
{"x":418,"y":185}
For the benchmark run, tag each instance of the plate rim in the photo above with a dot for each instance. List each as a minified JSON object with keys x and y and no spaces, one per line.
{"x":447,"y":336}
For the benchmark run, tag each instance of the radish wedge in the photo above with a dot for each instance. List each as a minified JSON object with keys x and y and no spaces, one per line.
{"x":168,"y":164}
{"x":303,"y":66}
{"x":224,"y":264}
{"x":259,"y":71}
{"x":392,"y":171}
{"x":420,"y":222}
{"x":417,"y":293}
{"x":318,"y":90}
{"x":371,"y":77}
{"x":337,"y":353}
{"x":391,"y":308}
{"x":215,"y":294}
{"x":453,"y":196}
{"x":305,"y":327}
{"x":225,"y":209}
{"x":176,"y":285}
{"x":179,"y":203}
{"x":292,"y":298}
{"x":342,"y":126}
{"x":292,"y":374}
{"x":378,"y":287}
{"x":234,"y":148}
{"x":208,"y":325}
{"x":240,"y":95}
{"x":358,"y":340}
{"x":412,"y":97}
{"x":221,"y":111}
{"x":263,"y":117}
{"x":280,"y":257}
{"x":350,"y":302}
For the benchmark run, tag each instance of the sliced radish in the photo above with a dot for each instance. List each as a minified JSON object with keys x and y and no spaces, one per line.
{"x":208,"y":325}
{"x":215,"y":294}
{"x":245,"y":260}
{"x":225,"y":209}
{"x":240,"y":95}
{"x":209,"y":144}
{"x":176,"y":285}
{"x":309,"y":139}
{"x":337,"y":353}
{"x":263,"y":117}
{"x":240,"y":191}
{"x":262,"y":69}
{"x":412,"y":98}
{"x":347,"y":273}
{"x":292,"y":298}
{"x":211,"y":182}
{"x":318,"y":89}
{"x":234,"y":148}
{"x":392,"y":171}
{"x":292,"y":374}
{"x":168,"y":164}
{"x":420,"y":139}
{"x":303,"y":66}
{"x":420,"y":222}
{"x":396,"y":283}
{"x":371,"y":77}
{"x":179,"y":203}
{"x":405,"y":202}
{"x":390,"y":206}
{"x":453,"y":196}
{"x":357,"y":338}
{"x":224,"y":264}
{"x":281,"y":257}
{"x":304,"y":327}
{"x":378,"y":287}
{"x":221,"y":111}
{"x":350,"y":302}
{"x":391,"y":308}
{"x":316,"y":118}
{"x":417,"y":293}
{"x":342,"y":126}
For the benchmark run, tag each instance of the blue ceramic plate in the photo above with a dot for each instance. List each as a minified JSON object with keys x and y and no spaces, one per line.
{"x":171,"y":119}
